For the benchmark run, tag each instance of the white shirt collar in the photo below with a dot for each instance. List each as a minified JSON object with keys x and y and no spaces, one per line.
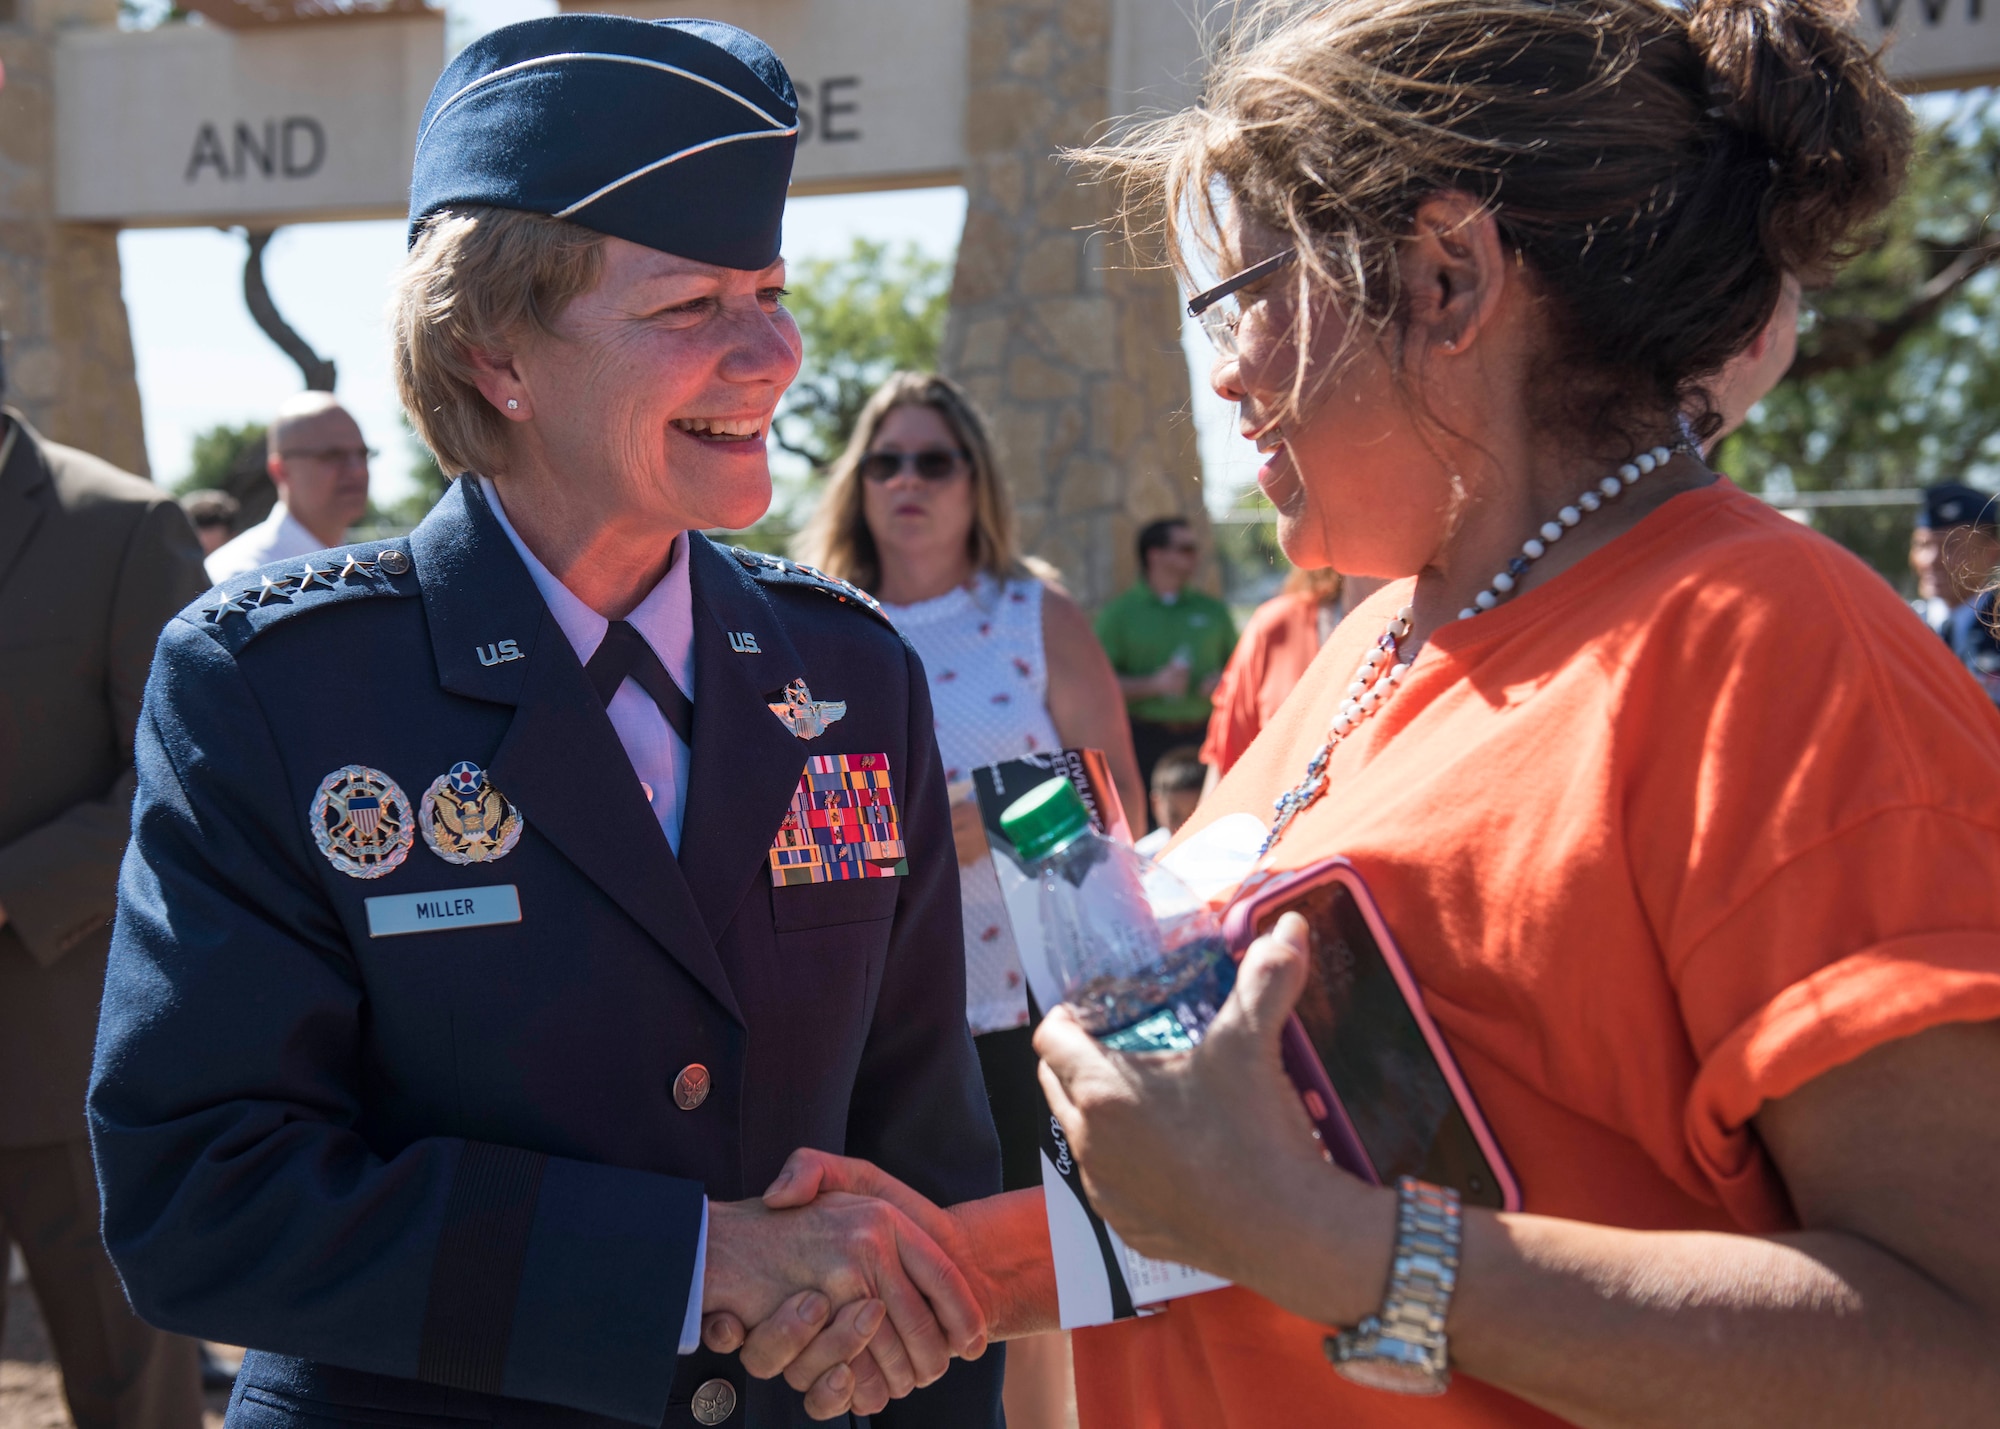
{"x":665,"y":618}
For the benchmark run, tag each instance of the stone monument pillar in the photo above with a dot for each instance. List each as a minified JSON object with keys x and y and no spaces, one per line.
{"x":69,"y":348}
{"x":1073,"y":353}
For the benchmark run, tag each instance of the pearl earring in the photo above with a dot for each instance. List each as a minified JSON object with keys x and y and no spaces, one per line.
{"x":512,"y":405}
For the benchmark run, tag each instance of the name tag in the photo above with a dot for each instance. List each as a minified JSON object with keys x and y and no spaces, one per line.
{"x":435,"y":912}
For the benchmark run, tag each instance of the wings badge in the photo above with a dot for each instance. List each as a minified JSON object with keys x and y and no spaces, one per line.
{"x":842,"y":824}
{"x":805,"y":716}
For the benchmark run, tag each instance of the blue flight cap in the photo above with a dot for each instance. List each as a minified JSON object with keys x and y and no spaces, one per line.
{"x":675,"y":134}
{"x":1952,"y":503}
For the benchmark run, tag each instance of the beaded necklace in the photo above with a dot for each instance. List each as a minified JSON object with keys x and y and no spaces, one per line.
{"x":1383,"y":668}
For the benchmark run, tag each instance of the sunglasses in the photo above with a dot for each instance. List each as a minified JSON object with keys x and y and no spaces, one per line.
{"x":932,"y":464}
{"x":1217,"y":310}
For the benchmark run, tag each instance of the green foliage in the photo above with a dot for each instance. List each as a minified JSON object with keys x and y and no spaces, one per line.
{"x":873,"y":311}
{"x":866,"y":314}
{"x":1898,"y":379}
{"x":214,"y":453}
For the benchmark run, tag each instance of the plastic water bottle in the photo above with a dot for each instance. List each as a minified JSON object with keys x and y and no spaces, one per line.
{"x":1140,"y":959}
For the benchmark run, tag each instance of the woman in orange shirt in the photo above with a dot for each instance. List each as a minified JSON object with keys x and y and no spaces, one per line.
{"x":1692,"y":846}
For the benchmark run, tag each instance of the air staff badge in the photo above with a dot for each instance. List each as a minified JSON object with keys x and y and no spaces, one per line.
{"x":466,"y":820}
{"x":361,"y":821}
{"x":803,"y":715}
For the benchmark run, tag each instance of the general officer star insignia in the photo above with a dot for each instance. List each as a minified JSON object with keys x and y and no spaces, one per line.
{"x":805,"y":716}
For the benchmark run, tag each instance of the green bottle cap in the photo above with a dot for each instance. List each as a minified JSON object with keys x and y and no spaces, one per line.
{"x":1044,"y":819}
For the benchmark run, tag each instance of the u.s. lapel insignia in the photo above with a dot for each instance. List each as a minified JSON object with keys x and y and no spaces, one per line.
{"x":361,"y":820}
{"x":805,"y":716}
{"x":465,"y":819}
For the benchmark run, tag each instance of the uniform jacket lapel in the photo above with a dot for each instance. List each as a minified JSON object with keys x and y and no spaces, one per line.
{"x":746,"y":762}
{"x":23,"y":483}
{"x":561,"y":762}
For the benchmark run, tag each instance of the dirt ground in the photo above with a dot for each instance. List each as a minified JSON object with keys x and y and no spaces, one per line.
{"x":31,"y":1385}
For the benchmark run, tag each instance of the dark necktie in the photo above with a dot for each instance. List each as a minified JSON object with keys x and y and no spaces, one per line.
{"x":625,"y":652}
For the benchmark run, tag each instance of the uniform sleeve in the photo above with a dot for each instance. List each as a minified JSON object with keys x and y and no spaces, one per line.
{"x":1839,"y":876}
{"x":59,"y":882}
{"x":241,"y":1199}
{"x":920,"y":1104}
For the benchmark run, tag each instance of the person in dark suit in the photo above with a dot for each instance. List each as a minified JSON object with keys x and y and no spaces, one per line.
{"x":507,"y":902}
{"x":93,"y":562}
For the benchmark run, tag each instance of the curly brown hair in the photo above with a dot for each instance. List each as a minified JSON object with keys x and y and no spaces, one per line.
{"x":1657,"y":168}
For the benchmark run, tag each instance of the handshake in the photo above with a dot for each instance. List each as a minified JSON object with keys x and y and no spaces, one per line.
{"x":857,"y":1289}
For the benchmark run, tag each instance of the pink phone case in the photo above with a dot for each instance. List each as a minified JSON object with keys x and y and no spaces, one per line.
{"x":1302,"y":1063}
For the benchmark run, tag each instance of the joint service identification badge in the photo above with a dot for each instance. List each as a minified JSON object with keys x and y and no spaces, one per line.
{"x":842,"y":824}
{"x":465,"y":819}
{"x":361,"y":821}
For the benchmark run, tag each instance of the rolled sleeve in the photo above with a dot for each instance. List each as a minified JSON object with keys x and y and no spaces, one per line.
{"x":1878,"y":932}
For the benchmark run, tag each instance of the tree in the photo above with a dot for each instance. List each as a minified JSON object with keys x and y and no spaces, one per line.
{"x":862,"y":316}
{"x":217,"y":452}
{"x":1897,"y":383}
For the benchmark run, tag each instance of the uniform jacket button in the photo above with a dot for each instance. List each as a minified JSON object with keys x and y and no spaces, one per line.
{"x":690,"y":1091}
{"x":714,"y":1402}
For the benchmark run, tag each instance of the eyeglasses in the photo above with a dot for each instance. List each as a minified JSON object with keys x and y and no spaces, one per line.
{"x":932,"y":464}
{"x":1217,"y":309}
{"x":334,"y":456}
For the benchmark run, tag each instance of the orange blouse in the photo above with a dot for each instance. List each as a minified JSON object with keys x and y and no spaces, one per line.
{"x":1667,"y":837}
{"x":1277,"y":645}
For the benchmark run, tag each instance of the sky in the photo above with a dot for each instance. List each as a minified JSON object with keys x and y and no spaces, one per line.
{"x":203,"y":362}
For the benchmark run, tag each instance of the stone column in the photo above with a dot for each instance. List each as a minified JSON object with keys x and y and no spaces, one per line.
{"x":1074,"y":355}
{"x":69,"y":347}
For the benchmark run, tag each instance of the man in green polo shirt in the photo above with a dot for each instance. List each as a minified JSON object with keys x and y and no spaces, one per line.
{"x":1168,"y":644}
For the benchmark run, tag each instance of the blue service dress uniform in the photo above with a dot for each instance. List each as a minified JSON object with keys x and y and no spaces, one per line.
{"x":444,"y":1176}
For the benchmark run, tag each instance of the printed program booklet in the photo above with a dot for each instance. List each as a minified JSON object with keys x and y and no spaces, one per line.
{"x":1098,"y":1277}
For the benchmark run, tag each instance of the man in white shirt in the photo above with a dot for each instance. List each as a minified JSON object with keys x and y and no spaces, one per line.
{"x":319,"y":464}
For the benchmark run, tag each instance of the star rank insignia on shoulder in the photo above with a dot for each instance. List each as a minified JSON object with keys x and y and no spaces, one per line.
{"x":259,"y":598}
{"x":776,"y":570}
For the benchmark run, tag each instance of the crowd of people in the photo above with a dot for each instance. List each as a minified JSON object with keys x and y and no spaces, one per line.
{"x":669,"y":1056}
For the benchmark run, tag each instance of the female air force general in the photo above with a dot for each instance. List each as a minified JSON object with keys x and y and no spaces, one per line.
{"x":507,"y":900}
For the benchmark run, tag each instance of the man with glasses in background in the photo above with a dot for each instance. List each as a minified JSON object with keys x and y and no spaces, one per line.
{"x":1168,"y":644}
{"x":320,"y":466}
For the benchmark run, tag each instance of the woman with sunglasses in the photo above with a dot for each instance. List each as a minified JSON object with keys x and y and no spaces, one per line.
{"x":917,"y":514}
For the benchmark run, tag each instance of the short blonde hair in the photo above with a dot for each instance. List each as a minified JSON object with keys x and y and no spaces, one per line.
{"x":837,"y":539}
{"x":478,"y":277}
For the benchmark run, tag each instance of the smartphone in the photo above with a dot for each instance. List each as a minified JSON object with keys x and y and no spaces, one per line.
{"x":1371,"y":1067}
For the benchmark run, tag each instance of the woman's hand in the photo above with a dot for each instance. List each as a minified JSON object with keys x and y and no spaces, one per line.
{"x":844,"y":1250}
{"x":968,"y":832}
{"x":1208,"y":1158}
{"x":1000,"y":1244}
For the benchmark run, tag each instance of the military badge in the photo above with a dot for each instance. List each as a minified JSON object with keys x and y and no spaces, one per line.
{"x":361,"y":821}
{"x":805,"y":716}
{"x":465,"y":819}
{"x":842,"y":824}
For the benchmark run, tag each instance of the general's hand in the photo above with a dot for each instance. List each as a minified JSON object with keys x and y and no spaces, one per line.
{"x":1000,"y":1243}
{"x":852,"y":1249}
{"x":1207,"y":1157}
